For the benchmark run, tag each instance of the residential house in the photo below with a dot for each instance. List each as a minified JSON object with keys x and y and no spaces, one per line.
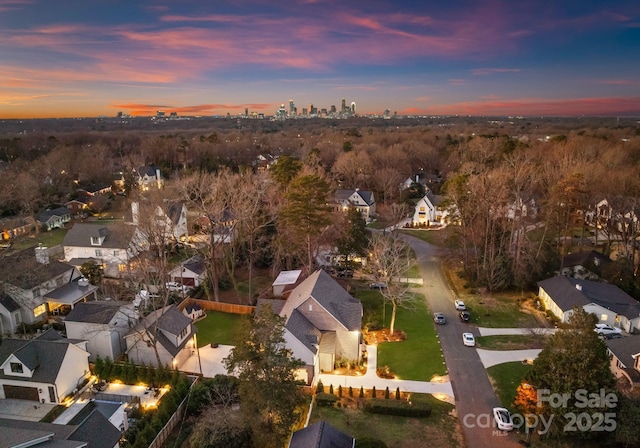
{"x":609,"y":303}
{"x":46,"y":369}
{"x":169,"y":221}
{"x":362,"y":200}
{"x":585,"y":264}
{"x":94,"y":431}
{"x":164,"y":337}
{"x":17,"y":226}
{"x":35,"y":287}
{"x":429,"y":210}
{"x":80,"y":206}
{"x":94,"y":189}
{"x":103,"y":324}
{"x":321,"y":435}
{"x":114,"y":246}
{"x":148,"y":177}
{"x":322,"y":323}
{"x":625,"y":359}
{"x":53,"y":219}
{"x":191,"y":272}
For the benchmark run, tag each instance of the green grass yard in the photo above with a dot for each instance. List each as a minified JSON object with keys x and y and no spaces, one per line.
{"x":221,"y":328}
{"x":506,"y":378}
{"x":510,"y":342}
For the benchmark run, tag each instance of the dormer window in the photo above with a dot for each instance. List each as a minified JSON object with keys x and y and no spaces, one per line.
{"x":16,"y":367}
{"x":96,"y":241}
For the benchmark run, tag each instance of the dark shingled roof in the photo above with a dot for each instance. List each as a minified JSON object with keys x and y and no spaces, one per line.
{"x":44,"y":355}
{"x":169,"y":319}
{"x":97,"y":431}
{"x":173,"y":210}
{"x":94,"y":312}
{"x":48,"y":214}
{"x":585,"y":258}
{"x":320,"y":435}
{"x":625,"y":348}
{"x":304,"y":331}
{"x":195,"y":264}
{"x":322,"y":288}
{"x":116,"y":236}
{"x":566,"y":295}
{"x":21,"y":269}
{"x":8,"y":303}
{"x":343,"y":195}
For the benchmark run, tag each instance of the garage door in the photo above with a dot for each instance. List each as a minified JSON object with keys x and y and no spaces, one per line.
{"x":21,"y":393}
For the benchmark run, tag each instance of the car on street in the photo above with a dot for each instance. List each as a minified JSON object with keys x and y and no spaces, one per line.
{"x":176,"y":287}
{"x":607,"y":330}
{"x":345,"y":273}
{"x":503,"y":420}
{"x":460,"y":306}
{"x":439,"y":318}
{"x":468,"y":340}
{"x":378,"y":285}
{"x":464,"y":316}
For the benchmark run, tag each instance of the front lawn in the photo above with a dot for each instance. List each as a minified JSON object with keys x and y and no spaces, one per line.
{"x":511,"y":342}
{"x":439,"y":429}
{"x":506,"y":378}
{"x":419,"y":357}
{"x":221,"y":328}
{"x":47,"y":239}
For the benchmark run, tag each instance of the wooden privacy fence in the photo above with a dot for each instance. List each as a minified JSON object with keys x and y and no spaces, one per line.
{"x":208,"y":305}
{"x":176,"y":418}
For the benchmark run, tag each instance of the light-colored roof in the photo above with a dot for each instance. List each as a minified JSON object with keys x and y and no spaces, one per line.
{"x":287,"y":277}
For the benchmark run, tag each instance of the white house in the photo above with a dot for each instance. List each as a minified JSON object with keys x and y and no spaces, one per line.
{"x":113,"y":246}
{"x":323,"y":323}
{"x":609,"y":303}
{"x":35,"y":286}
{"x":362,"y":200}
{"x":103,"y":324}
{"x":46,"y":369}
{"x":191,"y":272}
{"x":163,"y":337}
{"x":428,"y":210}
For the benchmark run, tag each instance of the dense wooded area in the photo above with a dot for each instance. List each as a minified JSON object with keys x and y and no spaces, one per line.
{"x":525,"y":191}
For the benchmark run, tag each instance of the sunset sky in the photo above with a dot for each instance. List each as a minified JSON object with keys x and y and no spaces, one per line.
{"x":85,"y":58}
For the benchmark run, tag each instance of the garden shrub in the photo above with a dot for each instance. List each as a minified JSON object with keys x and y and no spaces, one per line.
{"x":324,"y":399}
{"x":397,"y":407}
{"x":370,"y":442}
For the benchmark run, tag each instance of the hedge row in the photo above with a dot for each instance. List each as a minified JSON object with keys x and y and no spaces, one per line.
{"x":397,"y":407}
{"x":324,"y":399}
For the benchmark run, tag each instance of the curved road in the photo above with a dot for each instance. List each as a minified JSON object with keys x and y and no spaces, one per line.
{"x":474,"y":394}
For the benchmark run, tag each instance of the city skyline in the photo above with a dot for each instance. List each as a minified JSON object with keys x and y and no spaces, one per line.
{"x":491,"y":57}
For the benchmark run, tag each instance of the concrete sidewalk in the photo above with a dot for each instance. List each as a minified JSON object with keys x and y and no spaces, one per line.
{"x":484,"y":331}
{"x":371,"y":379}
{"x":491,"y":358}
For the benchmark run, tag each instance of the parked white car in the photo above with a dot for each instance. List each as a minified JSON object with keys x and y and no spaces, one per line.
{"x":503,"y":419}
{"x":460,"y":306}
{"x":607,"y":330}
{"x":468,"y":340}
{"x":177,"y":287}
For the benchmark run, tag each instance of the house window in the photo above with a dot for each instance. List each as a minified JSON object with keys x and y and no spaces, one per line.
{"x":422,"y":209}
{"x":95,"y":241}
{"x":122,"y":268}
{"x":40,"y":309}
{"x":17,"y":318}
{"x":16,"y":367}
{"x":116,"y":253}
{"x":98,"y":253}
{"x":603,"y":317}
{"x":36,"y":293}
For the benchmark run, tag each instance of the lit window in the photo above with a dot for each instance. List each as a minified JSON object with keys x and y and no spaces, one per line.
{"x":40,"y":309}
{"x":604,"y":317}
{"x":122,"y":268}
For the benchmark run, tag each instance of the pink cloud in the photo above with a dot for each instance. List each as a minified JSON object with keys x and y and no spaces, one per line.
{"x":489,"y":71}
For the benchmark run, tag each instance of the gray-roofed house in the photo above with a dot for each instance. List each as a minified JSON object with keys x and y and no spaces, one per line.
{"x":191,"y":272}
{"x":114,"y":246}
{"x":321,"y":435}
{"x":40,"y":286}
{"x":625,"y":359}
{"x":164,"y":337}
{"x":363,"y":200}
{"x":149,"y":176}
{"x":46,"y":369}
{"x":94,"y":431}
{"x":609,"y":303}
{"x":586,"y":264}
{"x":170,"y":220}
{"x":53,"y":218}
{"x":103,"y":324}
{"x":322,"y":323}
{"x":429,"y":210}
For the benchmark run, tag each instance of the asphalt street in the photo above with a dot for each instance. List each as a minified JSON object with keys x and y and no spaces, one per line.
{"x":474,"y":394}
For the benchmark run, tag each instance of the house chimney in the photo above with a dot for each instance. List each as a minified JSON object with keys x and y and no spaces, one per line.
{"x":42,"y":254}
{"x":158,"y":179}
{"x":135,"y":212}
